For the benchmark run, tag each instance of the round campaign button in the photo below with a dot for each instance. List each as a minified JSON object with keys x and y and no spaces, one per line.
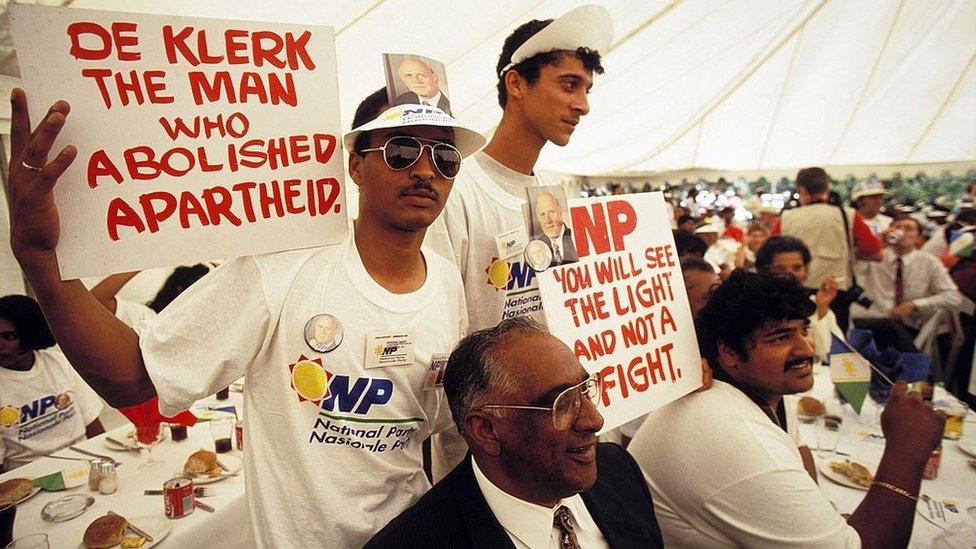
{"x":323,"y":333}
{"x":538,"y":255}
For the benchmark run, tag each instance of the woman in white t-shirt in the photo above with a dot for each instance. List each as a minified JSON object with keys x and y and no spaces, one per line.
{"x":44,"y":403}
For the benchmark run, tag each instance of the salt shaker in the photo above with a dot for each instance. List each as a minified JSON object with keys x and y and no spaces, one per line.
{"x":108,"y":481}
{"x":94,"y":475}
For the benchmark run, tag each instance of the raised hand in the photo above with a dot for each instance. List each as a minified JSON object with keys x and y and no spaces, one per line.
{"x":34,"y":225}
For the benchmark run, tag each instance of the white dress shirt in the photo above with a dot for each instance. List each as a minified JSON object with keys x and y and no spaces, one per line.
{"x":925,"y":280}
{"x":531,"y":526}
{"x":433,"y":101}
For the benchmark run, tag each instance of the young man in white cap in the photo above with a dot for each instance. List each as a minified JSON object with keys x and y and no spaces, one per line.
{"x":334,"y":434}
{"x":545,"y":72}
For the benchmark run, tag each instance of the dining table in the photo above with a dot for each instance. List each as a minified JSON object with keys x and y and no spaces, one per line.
{"x":947,"y":499}
{"x":225,"y":526}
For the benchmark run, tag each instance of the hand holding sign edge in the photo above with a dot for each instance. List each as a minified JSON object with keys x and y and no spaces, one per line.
{"x":34,"y":221}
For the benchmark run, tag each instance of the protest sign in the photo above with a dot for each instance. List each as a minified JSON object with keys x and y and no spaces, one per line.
{"x":622,"y":308}
{"x":197,"y":138}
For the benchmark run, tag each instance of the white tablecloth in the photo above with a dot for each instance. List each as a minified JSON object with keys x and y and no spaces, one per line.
{"x":226,"y":527}
{"x":955,"y":478}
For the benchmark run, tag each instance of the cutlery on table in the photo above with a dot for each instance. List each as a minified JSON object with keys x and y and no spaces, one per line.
{"x":93,"y":454}
{"x":135,"y":529}
{"x":198,"y":491}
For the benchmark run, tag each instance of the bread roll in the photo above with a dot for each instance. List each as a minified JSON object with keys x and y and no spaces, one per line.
{"x":200,"y":462}
{"x":810,"y":405}
{"x":14,"y":490}
{"x":105,"y":531}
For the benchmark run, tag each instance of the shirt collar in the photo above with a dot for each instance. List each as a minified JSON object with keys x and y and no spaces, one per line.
{"x":433,"y":101}
{"x":532,"y":524}
{"x":905,"y":259}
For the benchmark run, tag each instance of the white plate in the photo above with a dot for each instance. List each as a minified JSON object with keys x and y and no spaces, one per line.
{"x":826,"y":471}
{"x":204,"y":413}
{"x":234,"y":463}
{"x":156,"y":526}
{"x":968,"y":446}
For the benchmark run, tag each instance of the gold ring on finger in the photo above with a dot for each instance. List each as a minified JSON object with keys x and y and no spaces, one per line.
{"x":29,"y":167}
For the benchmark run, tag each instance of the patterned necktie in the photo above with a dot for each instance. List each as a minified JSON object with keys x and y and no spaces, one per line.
{"x":899,"y":282}
{"x":564,"y":523}
{"x":557,"y":256}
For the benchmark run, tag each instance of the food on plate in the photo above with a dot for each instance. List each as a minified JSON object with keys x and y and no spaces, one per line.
{"x":15,"y":489}
{"x":811,"y":406}
{"x":202,"y":462}
{"x":105,"y":531}
{"x":855,"y":472}
{"x":131,"y":542}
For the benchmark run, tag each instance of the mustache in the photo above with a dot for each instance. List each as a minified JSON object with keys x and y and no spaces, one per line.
{"x":797,"y":361}
{"x":419,"y":185}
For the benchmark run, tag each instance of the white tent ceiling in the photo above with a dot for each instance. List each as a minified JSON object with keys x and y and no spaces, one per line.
{"x":733,"y":85}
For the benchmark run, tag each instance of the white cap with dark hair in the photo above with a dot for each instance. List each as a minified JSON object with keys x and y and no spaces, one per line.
{"x":588,"y":26}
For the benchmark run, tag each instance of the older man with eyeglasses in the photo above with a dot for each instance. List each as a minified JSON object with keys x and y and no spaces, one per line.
{"x":536,"y":476}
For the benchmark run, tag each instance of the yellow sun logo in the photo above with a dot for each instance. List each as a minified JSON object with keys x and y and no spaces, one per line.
{"x":499,"y":274}
{"x":9,"y":416}
{"x":310,"y":380}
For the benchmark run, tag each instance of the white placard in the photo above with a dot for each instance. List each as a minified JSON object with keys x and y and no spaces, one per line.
{"x":197,"y":138}
{"x":623,"y":308}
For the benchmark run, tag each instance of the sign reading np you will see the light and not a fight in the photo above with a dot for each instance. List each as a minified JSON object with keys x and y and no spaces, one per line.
{"x":623,"y":308}
{"x":197,"y":138}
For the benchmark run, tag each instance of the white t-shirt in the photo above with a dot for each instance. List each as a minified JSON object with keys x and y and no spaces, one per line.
{"x":333,"y":450}
{"x":44,"y":409}
{"x":131,"y":312}
{"x":723,"y":475}
{"x":487,"y":199}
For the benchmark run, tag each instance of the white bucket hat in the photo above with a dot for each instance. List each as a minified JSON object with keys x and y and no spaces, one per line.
{"x":868,"y":187}
{"x":466,"y":140}
{"x":588,"y":26}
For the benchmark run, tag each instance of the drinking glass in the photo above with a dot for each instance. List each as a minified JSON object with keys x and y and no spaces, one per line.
{"x":30,"y":541}
{"x":807,"y":428}
{"x":147,"y":436}
{"x":222,"y":430}
{"x":829,"y":433}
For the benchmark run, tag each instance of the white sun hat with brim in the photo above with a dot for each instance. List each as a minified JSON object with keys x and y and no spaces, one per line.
{"x":588,"y":26}
{"x":466,"y":140}
{"x":868,"y":187}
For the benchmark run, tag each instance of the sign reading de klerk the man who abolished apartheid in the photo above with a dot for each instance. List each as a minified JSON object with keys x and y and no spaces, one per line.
{"x":622,"y":308}
{"x":197,"y":138}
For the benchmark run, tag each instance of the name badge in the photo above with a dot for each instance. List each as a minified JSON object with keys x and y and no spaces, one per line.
{"x":435,"y":372}
{"x":387,"y":349}
{"x":511,"y":242}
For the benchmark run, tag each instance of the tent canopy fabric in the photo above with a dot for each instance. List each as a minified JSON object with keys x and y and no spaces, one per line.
{"x":747,"y":85}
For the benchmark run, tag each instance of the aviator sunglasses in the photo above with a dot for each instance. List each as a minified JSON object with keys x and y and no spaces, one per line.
{"x":567,"y":405}
{"x":403,"y":151}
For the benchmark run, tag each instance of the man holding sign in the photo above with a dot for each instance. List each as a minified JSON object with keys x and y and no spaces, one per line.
{"x":720,"y":465}
{"x":335,"y":427}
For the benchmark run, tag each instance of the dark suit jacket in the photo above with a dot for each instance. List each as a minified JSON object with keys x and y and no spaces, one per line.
{"x":568,"y":247}
{"x":444,"y":104}
{"x":455,"y":514}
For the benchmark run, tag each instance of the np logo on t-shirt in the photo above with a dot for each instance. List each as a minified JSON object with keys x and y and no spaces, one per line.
{"x":353,"y":411}
{"x":39,"y":415}
{"x":518,"y":281}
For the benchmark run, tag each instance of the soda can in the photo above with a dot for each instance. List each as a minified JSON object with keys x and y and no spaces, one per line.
{"x":178,"y":497}
{"x":932,"y":465}
{"x":239,"y":435}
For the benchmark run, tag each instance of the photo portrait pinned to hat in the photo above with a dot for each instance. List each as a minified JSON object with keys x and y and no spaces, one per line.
{"x":588,"y":26}
{"x":402,"y":115}
{"x":416,"y":80}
